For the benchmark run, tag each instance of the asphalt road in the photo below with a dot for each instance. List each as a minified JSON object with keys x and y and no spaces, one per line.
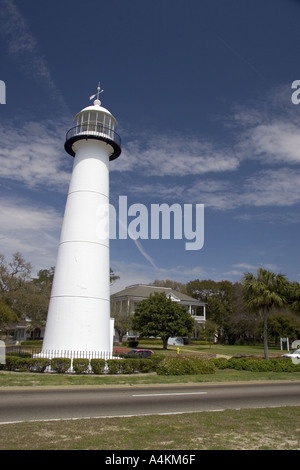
{"x":73,"y":403}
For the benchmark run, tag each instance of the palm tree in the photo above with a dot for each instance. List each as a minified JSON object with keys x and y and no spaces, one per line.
{"x":295,"y":297}
{"x":262,"y":293}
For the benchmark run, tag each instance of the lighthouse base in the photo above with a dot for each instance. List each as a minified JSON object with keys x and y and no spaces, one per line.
{"x":80,"y":353}
{"x":72,"y":335}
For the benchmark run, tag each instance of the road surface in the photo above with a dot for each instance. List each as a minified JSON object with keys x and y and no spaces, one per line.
{"x":88,"y":402}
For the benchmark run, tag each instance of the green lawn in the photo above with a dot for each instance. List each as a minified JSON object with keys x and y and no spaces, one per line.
{"x":30,"y":379}
{"x":195,"y":346}
{"x":220,"y":349}
{"x":257,"y":429}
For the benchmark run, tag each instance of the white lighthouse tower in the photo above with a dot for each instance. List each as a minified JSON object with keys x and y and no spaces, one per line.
{"x":79,"y":311}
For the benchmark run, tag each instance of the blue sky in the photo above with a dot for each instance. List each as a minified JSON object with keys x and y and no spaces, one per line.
{"x":202,"y":94}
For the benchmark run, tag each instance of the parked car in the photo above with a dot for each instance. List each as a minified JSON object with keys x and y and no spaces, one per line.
{"x":293,"y":354}
{"x":139,"y":353}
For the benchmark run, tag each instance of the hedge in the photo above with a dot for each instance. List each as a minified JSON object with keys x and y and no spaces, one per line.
{"x":60,"y":364}
{"x":185,"y":366}
{"x":24,"y":364}
{"x":80,"y":366}
{"x":98,"y":366}
{"x":131,"y":366}
{"x":16,"y":363}
{"x":38,"y":364}
{"x":163,"y":365}
{"x":256,"y":364}
{"x":122,"y":366}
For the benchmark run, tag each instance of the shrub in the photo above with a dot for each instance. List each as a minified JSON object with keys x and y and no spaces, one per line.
{"x":80,"y":365}
{"x":220,"y":363}
{"x":128,"y":366}
{"x":185,"y":366}
{"x":204,"y":366}
{"x":16,"y":363}
{"x":285,"y":365}
{"x":22,"y":364}
{"x":60,"y":364}
{"x":236,"y":363}
{"x":156,"y":359}
{"x":243,"y":363}
{"x":98,"y":366}
{"x":32,"y":342}
{"x":147,"y":365}
{"x":256,"y":364}
{"x":9,"y":362}
{"x":131,"y":366}
{"x":114,"y":366}
{"x":37,"y":364}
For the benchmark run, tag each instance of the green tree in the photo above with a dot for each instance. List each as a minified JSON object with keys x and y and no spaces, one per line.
{"x":206,"y":289}
{"x":178,"y":286}
{"x":160,"y":316}
{"x":208,"y":331}
{"x":35,"y":305}
{"x":113,"y":276}
{"x":7,"y":315}
{"x":14,"y":279}
{"x":284,"y":324}
{"x":123,"y":323}
{"x":238,"y":325}
{"x":264,"y":292}
{"x":13,"y":275}
{"x":219,"y":299}
{"x":44,"y":280}
{"x":294,"y":297}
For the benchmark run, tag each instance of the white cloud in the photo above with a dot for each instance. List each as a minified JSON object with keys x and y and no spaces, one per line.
{"x":34,"y":155}
{"x":253,"y":268}
{"x":14,"y":26}
{"x":276,"y":188}
{"x":17,"y":216}
{"x":268,"y":134}
{"x":247,"y":266}
{"x":285,"y":217}
{"x":266,"y":138}
{"x":164,"y":155}
{"x":272,"y":188}
{"x":30,"y":229}
{"x":272,"y":142}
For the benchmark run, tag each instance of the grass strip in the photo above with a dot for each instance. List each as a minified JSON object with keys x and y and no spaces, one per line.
{"x":31,"y":379}
{"x":247,"y":429}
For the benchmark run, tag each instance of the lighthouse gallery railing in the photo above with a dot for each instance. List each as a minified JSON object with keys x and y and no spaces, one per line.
{"x":96,"y":130}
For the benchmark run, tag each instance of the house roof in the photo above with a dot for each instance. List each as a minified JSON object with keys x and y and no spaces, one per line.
{"x":141,"y":291}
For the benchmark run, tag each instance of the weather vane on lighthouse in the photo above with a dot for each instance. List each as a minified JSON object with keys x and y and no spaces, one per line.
{"x":98,"y":93}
